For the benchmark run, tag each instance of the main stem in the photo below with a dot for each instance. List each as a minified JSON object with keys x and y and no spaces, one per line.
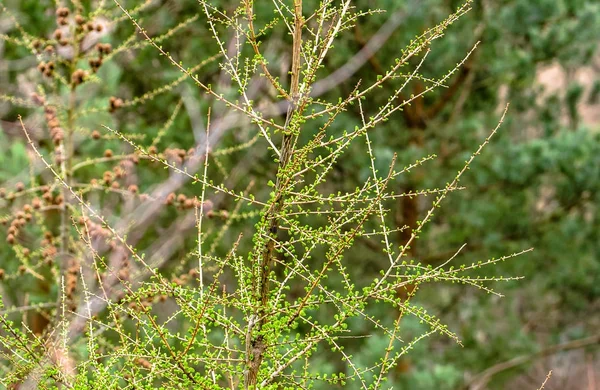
{"x":256,"y":348}
{"x":66,"y":166}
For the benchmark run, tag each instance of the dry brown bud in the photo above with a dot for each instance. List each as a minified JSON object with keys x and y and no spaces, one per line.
{"x":62,"y":12}
{"x":114,"y":104}
{"x":170,"y":198}
{"x":95,"y":64}
{"x":78,"y":76}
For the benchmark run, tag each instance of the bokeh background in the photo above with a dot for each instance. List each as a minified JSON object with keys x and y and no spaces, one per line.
{"x":535,"y":186}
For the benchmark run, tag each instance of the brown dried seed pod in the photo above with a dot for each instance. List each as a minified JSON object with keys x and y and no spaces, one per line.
{"x":58,"y":137}
{"x":99,"y":28}
{"x":50,"y":251}
{"x":95,"y":134}
{"x":36,"y":203}
{"x":21,"y":270}
{"x":26,"y":252}
{"x":2,"y":273}
{"x":80,"y":20}
{"x":114,"y":104}
{"x":53,"y":122}
{"x":58,"y":34}
{"x":108,"y":153}
{"x":133,"y":188}
{"x":49,"y":49}
{"x":181,"y":198}
{"x":104,"y":48}
{"x":2,"y":192}
{"x":19,"y":186}
{"x":170,"y":198}
{"x":119,"y":172}
{"x":78,"y":76}
{"x":152,"y":150}
{"x":115,"y":185}
{"x":62,"y":12}
{"x":123,"y":274}
{"x":95,"y":63}
{"x":62,"y":21}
